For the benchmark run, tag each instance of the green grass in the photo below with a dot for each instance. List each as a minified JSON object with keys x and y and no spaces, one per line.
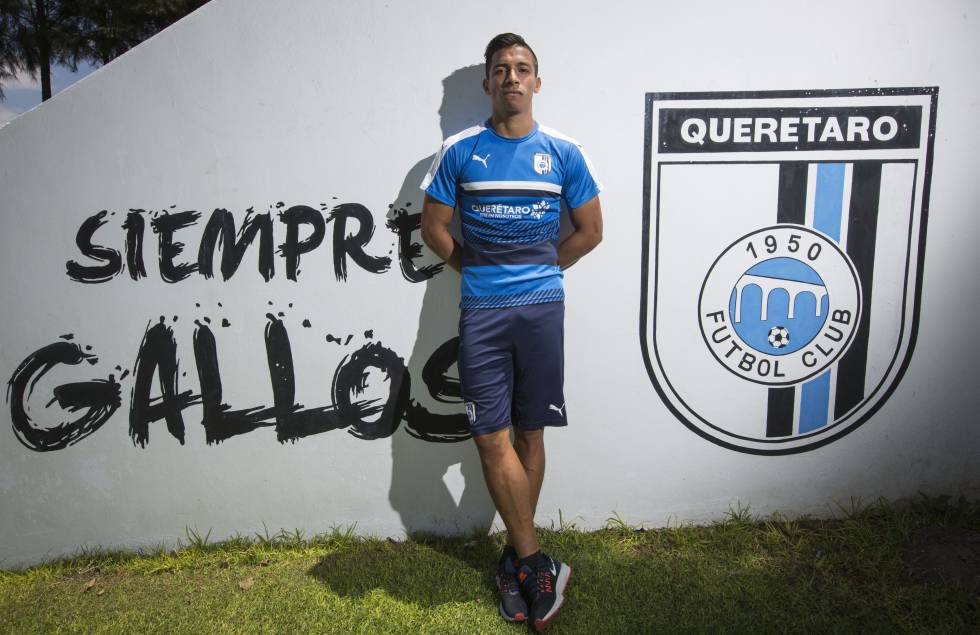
{"x":744,"y":575}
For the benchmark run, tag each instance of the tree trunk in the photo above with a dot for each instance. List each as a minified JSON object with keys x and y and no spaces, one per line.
{"x":44,"y":48}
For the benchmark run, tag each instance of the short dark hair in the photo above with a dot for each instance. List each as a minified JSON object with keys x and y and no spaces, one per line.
{"x":504,"y":41}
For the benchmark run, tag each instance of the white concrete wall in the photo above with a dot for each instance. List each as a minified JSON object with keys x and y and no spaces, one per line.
{"x":248,"y":104}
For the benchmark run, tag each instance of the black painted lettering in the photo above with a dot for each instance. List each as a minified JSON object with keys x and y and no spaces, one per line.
{"x":219,"y":420}
{"x":220,"y":232}
{"x":293,"y":248}
{"x":429,"y":426}
{"x":833,"y":333}
{"x":292,"y":421}
{"x":719,"y":340}
{"x":404,"y":225}
{"x":353,"y":245}
{"x":440,"y":385}
{"x":716,"y":316}
{"x":747,"y":361}
{"x":135,"y":227}
{"x":166,"y":225}
{"x":112,"y":260}
{"x":351,"y":380}
{"x":157,"y":355}
{"x":99,"y":398}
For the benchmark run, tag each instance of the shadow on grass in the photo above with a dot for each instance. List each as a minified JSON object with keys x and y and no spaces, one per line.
{"x":426,"y":570}
{"x":738,"y":575}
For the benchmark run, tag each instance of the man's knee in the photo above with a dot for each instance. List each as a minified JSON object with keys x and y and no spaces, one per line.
{"x":494,"y":443}
{"x":529,"y":440}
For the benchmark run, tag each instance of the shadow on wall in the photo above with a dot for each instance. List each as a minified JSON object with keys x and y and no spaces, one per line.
{"x":438,"y":487}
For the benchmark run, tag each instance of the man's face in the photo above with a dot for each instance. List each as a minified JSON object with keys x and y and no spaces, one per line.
{"x":512,"y":82}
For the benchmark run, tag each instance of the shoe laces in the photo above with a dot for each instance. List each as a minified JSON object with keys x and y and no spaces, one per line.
{"x":508,"y":583}
{"x":508,"y":580}
{"x":544,"y":581}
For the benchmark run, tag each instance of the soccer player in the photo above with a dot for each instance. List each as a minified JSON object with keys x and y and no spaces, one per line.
{"x":508,"y":178}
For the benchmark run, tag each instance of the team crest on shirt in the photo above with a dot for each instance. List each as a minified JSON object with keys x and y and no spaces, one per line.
{"x":542,"y":162}
{"x":783,"y":242}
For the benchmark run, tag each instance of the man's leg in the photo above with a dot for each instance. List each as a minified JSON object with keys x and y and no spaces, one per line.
{"x":539,"y":399}
{"x":539,"y":402}
{"x":542,"y":579}
{"x":529,"y":445}
{"x":510,"y":489}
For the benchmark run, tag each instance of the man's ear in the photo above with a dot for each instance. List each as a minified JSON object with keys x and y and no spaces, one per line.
{"x":486,"y":86}
{"x":537,"y":84}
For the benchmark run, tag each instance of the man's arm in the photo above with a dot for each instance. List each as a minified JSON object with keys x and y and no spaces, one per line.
{"x":587,"y":221}
{"x":435,"y":231}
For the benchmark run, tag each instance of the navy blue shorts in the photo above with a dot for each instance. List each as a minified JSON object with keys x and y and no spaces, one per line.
{"x":512,"y":366}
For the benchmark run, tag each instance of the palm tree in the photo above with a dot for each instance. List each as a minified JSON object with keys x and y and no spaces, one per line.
{"x":7,"y":58}
{"x":112,"y":27}
{"x":34,"y":34}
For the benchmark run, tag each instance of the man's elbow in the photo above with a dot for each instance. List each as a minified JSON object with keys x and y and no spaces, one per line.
{"x":593,"y":237}
{"x":428,"y":233}
{"x":426,"y":236}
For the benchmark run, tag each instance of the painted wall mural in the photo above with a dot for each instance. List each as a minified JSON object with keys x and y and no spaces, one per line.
{"x":218,"y":312}
{"x":799,"y":301}
{"x":96,"y":401}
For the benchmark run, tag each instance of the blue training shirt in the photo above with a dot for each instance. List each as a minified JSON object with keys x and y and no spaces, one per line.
{"x":509,"y":192}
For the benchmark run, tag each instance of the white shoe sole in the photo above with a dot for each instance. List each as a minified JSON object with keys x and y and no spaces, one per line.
{"x":560,"y":583}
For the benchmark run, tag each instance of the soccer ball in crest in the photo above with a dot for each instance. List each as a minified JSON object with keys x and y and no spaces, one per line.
{"x":778,"y":336}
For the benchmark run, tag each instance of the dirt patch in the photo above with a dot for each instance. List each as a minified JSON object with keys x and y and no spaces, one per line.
{"x":945,"y":555}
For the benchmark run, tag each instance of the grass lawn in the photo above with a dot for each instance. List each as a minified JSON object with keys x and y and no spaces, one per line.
{"x":878,"y":569}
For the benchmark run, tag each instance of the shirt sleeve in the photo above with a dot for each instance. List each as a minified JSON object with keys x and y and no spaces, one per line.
{"x":580,"y":185}
{"x":440,"y":181}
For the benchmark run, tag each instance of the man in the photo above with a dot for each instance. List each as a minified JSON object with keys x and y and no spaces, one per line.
{"x":508,"y":178}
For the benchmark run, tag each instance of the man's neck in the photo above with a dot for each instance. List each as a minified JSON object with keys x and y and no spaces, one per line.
{"x":513,"y":126}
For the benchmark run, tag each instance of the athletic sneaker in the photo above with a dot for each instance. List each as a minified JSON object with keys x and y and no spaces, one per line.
{"x":543,"y":581}
{"x":513,"y":608}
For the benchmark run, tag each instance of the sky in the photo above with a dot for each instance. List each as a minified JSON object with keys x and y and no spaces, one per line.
{"x":23,"y":93}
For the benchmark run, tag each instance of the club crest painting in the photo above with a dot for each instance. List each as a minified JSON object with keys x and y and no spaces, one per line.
{"x":812,"y":305}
